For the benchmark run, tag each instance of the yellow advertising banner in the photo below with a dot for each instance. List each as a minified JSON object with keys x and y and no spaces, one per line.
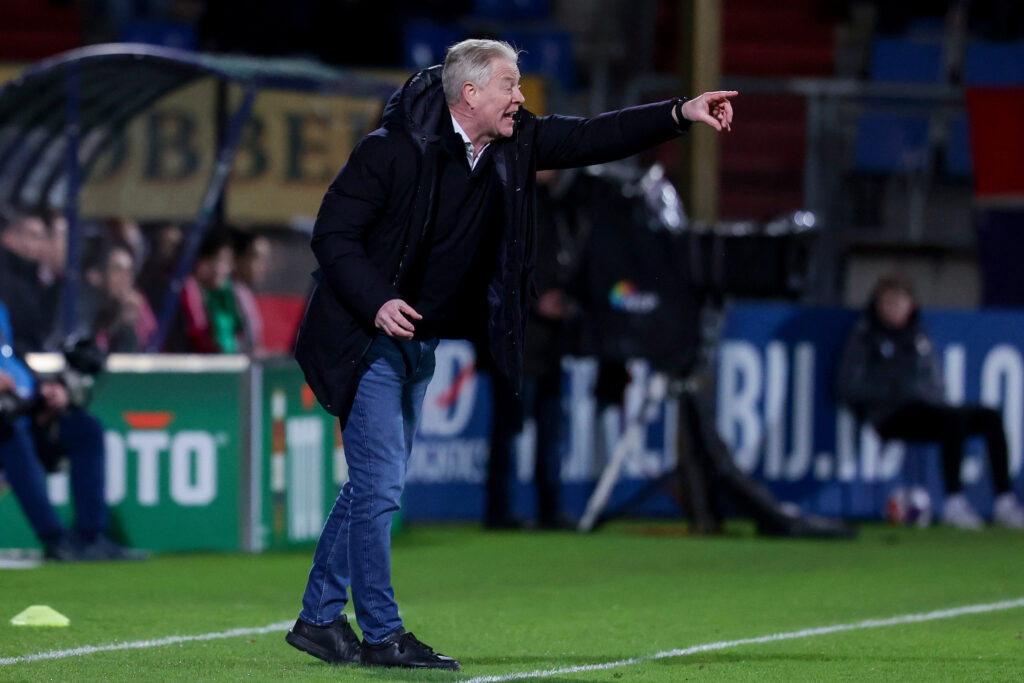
{"x":10,"y":71}
{"x":292,"y":147}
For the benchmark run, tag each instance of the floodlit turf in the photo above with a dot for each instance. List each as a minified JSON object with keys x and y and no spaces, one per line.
{"x":516,"y":602}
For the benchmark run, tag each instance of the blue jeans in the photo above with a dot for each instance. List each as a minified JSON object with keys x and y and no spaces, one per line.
{"x":355,"y":544}
{"x":81,"y":438}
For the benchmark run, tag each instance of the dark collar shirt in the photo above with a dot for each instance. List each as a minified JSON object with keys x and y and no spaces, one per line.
{"x":449,"y":283}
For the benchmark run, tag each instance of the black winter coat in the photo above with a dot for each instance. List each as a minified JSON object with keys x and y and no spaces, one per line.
{"x":376,"y":216}
{"x":885,"y":369}
{"x":32,"y":305}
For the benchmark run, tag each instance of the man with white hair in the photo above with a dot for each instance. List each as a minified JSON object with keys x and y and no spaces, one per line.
{"x":428,"y":233}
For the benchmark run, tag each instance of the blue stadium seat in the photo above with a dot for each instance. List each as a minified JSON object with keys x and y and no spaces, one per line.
{"x":958,"y":149}
{"x":163,"y":33}
{"x":904,"y":61}
{"x":990,"y":63}
{"x":546,"y":51}
{"x":888,"y":143}
{"x":424,"y":43}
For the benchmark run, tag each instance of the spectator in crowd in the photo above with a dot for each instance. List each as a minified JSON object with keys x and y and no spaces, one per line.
{"x":111,"y":309}
{"x":210,"y":315}
{"x":547,"y":341}
{"x":32,"y":293}
{"x":158,"y":269}
{"x":252,"y":258}
{"x":889,"y":376}
{"x":127,"y":233}
{"x":39,"y":428}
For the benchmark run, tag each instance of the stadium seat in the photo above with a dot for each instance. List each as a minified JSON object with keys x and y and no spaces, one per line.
{"x":165,"y":33}
{"x":889,"y":143}
{"x":286,"y":311}
{"x":904,"y":61}
{"x":546,"y":51}
{"x":425,"y":43}
{"x":959,"y":162}
{"x":989,"y":63}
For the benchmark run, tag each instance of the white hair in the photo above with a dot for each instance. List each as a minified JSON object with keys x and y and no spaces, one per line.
{"x":470,"y":61}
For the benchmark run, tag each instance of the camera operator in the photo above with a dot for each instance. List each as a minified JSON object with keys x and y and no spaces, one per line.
{"x":42,"y":423}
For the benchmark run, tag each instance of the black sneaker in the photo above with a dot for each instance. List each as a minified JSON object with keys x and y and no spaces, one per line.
{"x":335,"y":643}
{"x":62,"y":548}
{"x":102,"y":549}
{"x":402,"y":649}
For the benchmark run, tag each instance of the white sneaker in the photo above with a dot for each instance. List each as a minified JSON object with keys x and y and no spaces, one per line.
{"x":957,"y":512}
{"x":1008,"y":511}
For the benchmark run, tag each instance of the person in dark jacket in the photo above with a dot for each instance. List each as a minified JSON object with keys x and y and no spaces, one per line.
{"x":889,"y":376}
{"x":552,"y":321}
{"x":32,"y":297}
{"x":428,"y":232}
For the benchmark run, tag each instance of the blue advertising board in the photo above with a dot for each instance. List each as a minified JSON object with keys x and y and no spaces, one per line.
{"x":776,"y":406}
{"x":448,"y":468}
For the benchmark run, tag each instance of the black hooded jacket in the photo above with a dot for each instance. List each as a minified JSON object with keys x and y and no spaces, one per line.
{"x":884,"y":369}
{"x":32,"y":304}
{"x":377,"y":213}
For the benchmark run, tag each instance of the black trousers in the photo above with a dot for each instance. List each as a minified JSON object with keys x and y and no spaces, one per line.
{"x":950,"y":426}
{"x":541,"y":397}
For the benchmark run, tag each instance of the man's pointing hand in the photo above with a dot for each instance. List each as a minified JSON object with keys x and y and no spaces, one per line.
{"x":713,"y":108}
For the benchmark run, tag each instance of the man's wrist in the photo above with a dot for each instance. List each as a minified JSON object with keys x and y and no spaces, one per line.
{"x":682,"y":123}
{"x":677,"y":109}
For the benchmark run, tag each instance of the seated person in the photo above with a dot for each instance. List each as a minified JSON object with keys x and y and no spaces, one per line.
{"x":29,"y":289}
{"x":157,"y":270}
{"x":252,"y":259}
{"x":210,"y":315}
{"x":889,"y":376}
{"x":111,"y":309}
{"x":38,"y":428}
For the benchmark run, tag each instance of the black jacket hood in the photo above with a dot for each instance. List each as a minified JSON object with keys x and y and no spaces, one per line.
{"x":912,"y":328}
{"x":417,"y":106}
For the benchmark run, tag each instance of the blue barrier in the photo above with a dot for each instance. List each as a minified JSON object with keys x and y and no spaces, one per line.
{"x":776,"y":409}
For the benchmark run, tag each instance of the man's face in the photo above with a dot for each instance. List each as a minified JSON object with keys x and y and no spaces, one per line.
{"x":27,"y":238}
{"x":497,"y":103}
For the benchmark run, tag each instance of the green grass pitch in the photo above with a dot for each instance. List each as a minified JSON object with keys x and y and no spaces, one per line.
{"x":512,"y":602}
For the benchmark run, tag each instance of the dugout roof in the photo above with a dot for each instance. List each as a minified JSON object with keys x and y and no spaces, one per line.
{"x":105,"y":86}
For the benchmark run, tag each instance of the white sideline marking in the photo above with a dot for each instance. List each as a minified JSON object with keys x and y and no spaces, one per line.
{"x":142,"y":644}
{"x":791,"y":635}
{"x":544,"y":673}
